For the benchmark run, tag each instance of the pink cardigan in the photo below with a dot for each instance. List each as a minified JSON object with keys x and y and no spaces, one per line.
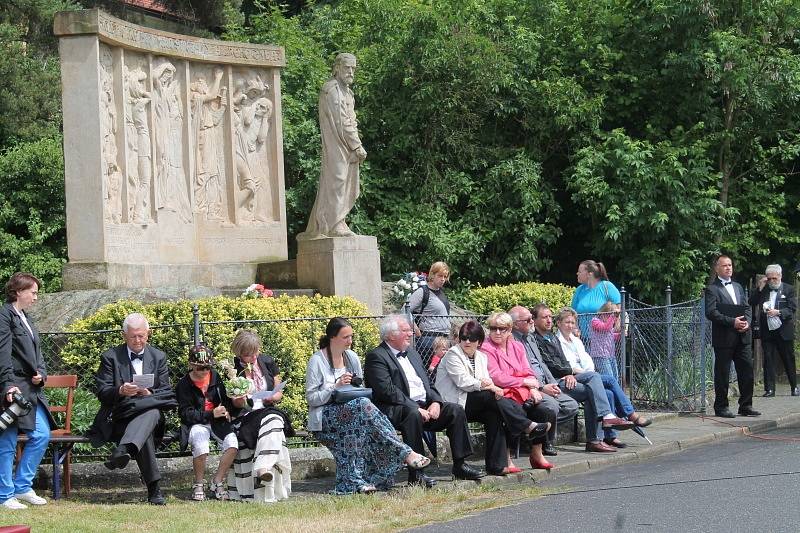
{"x":507,"y":369}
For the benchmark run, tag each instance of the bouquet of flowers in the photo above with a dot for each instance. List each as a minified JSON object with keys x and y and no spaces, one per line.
{"x":235,"y":385}
{"x":256,"y":290}
{"x":410,"y":282}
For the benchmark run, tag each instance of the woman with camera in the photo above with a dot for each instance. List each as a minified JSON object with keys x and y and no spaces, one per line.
{"x":363,"y":442}
{"x":22,"y":378}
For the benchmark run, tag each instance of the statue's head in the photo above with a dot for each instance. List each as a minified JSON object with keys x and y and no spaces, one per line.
{"x":344,"y":68}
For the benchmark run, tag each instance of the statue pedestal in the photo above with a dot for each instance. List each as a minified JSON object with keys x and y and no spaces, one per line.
{"x":342,"y":266}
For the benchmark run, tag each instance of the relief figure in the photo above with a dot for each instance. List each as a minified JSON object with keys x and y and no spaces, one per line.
{"x":208,"y":111}
{"x":112,"y":176}
{"x":139,"y":155}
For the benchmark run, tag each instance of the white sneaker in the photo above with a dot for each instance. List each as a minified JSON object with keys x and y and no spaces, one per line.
{"x":13,"y":503}
{"x":31,"y":498}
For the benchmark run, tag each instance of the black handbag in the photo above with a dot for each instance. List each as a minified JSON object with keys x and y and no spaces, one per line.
{"x":345,"y":393}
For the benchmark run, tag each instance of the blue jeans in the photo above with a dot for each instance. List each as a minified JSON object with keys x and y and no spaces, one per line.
{"x":618,"y":400}
{"x":31,"y":456}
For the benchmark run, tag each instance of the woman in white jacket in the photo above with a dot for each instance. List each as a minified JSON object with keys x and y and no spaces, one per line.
{"x":463,"y":378}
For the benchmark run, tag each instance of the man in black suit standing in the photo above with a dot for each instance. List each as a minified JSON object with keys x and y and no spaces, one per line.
{"x":402,"y":391}
{"x":730,"y":317}
{"x":131,"y":415}
{"x":778,"y":306}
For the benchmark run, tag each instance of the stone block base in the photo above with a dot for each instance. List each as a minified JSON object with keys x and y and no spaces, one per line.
{"x":82,"y":276}
{"x":342,"y":266}
{"x":278,"y":275}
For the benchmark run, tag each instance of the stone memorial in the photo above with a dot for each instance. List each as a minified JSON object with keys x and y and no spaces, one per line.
{"x":330,"y":257}
{"x":173,"y":156}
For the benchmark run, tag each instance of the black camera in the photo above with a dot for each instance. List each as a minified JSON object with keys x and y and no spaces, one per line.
{"x":356,"y":381}
{"x":20,"y":406}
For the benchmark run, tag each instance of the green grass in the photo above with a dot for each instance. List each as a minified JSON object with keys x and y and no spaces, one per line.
{"x":399,"y":509}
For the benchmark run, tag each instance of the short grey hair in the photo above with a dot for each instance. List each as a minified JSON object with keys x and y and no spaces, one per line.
{"x":390,"y":325}
{"x":774,"y":269}
{"x":134,"y":320}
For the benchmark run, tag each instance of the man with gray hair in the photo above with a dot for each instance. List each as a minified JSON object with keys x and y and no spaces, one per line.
{"x":402,"y":391}
{"x":551,"y":392}
{"x":777,"y":304}
{"x":132,"y":384}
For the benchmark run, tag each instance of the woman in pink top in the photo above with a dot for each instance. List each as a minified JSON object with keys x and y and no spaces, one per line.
{"x":509,"y":369}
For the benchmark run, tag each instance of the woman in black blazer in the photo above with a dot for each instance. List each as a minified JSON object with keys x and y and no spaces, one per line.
{"x":22,"y":370}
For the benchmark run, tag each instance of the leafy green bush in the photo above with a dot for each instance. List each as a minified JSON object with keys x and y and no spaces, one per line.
{"x":289,"y":339}
{"x":485,"y":300}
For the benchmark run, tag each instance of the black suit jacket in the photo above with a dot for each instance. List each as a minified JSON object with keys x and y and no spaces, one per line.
{"x":114,"y":370}
{"x":787,"y":305}
{"x":389,"y":386}
{"x":723,"y":335}
{"x":20,"y":360}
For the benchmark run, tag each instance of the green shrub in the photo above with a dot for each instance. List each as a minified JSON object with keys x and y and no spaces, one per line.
{"x":485,"y":300}
{"x":290,"y":342}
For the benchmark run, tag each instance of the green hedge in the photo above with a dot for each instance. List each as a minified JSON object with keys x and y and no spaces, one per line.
{"x":290,"y":342}
{"x":485,"y":300}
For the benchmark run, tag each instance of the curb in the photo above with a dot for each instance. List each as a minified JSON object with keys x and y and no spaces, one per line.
{"x":675,"y":446}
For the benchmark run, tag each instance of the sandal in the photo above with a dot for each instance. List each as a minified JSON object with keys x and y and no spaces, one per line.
{"x":220,"y":490}
{"x":640,"y":421}
{"x":264,"y":475}
{"x":198,"y":493}
{"x":419,"y":463}
{"x":539,"y":430}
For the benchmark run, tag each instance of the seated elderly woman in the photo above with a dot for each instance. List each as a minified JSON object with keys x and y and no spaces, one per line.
{"x":365,"y":446}
{"x":576,"y":355}
{"x":509,"y":368}
{"x":262,"y":470}
{"x":463,"y":378}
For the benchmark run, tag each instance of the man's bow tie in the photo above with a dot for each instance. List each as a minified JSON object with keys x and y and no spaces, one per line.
{"x":136,"y":356}
{"x":726,"y":283}
{"x":402,"y":354}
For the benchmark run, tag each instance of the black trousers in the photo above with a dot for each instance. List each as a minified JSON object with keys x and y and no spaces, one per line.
{"x":138,"y":431}
{"x":452,"y":420}
{"x":497,"y":417}
{"x":743,"y":361}
{"x":774,"y":348}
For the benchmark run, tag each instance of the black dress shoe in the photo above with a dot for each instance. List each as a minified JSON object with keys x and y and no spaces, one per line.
{"x":748,"y":411}
{"x":417,"y":477}
{"x":549,"y":449}
{"x":119,"y":458}
{"x":465,"y":471}
{"x":795,"y":391}
{"x":725,"y":413}
{"x":769,"y":394}
{"x":156,"y":498}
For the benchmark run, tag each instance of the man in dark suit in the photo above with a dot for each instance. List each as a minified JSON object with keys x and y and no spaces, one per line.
{"x":730,"y":316}
{"x":402,"y":391}
{"x":778,"y":304}
{"x":131,"y":415}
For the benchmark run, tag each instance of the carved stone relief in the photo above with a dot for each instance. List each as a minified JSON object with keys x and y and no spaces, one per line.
{"x":208,"y":105}
{"x":139,"y":158}
{"x":252,"y":115}
{"x":172,"y":192}
{"x":112,"y":177}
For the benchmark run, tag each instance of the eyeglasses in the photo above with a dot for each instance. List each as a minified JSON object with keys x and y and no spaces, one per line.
{"x":470,"y":339}
{"x":499,"y":329}
{"x":528,"y":320}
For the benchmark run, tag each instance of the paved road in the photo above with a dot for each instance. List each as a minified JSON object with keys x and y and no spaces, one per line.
{"x":743,"y":484}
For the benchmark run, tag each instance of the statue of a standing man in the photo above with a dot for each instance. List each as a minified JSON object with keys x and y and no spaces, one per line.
{"x":342,"y":154}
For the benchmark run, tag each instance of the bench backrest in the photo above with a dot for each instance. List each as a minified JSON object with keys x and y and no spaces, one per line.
{"x":69,"y":382}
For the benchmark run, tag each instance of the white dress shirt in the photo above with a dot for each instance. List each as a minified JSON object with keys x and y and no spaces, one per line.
{"x":729,"y":288}
{"x":136,"y":363}
{"x":416,"y":390}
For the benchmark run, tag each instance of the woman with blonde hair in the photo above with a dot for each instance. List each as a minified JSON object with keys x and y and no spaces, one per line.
{"x":431,"y":310}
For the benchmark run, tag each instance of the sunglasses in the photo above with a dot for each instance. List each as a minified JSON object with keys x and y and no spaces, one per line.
{"x":499,"y":329}
{"x":473,"y":338}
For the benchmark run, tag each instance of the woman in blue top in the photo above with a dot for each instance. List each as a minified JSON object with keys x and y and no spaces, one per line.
{"x":593,"y":291}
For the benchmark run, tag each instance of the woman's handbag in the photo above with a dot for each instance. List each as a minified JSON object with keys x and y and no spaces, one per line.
{"x":345,"y":393}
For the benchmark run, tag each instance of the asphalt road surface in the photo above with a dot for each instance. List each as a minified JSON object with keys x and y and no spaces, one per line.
{"x":743,"y":484}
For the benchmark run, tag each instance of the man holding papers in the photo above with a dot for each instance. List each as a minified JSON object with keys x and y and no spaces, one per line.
{"x":730,"y":315}
{"x":132,"y":384}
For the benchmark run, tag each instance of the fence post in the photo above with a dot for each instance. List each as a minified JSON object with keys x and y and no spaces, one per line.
{"x":410,"y":319}
{"x":623,"y":345}
{"x":703,"y":337}
{"x":670,"y":369}
{"x":196,"y":324}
